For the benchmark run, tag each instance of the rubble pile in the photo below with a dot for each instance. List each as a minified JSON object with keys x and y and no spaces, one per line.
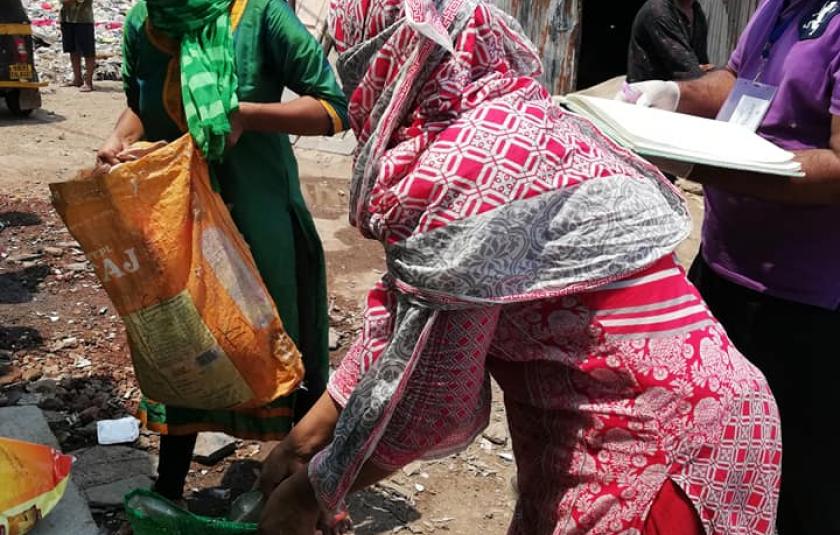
{"x":52,"y":64}
{"x":62,"y":348}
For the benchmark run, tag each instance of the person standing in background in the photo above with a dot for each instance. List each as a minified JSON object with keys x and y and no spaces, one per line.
{"x":668,"y":42}
{"x":78,"y":39}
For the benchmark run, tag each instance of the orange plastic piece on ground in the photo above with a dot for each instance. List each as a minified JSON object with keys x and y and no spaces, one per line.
{"x":34,"y":478}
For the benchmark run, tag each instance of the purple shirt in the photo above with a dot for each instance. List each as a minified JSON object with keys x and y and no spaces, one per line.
{"x":791,"y":252}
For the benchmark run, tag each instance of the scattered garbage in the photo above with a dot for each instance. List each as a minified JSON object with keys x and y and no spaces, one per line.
{"x":52,"y":63}
{"x":119,"y":431}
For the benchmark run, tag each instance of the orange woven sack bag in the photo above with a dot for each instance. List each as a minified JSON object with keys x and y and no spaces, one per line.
{"x":203,"y":330}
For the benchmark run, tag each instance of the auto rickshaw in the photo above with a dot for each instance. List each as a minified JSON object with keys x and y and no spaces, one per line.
{"x":19,"y":83}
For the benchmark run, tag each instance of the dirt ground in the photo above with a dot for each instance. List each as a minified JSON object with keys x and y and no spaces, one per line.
{"x":62,"y":347}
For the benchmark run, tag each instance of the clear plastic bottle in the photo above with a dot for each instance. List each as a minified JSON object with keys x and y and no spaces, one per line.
{"x":154,"y":507}
{"x":247,"y":507}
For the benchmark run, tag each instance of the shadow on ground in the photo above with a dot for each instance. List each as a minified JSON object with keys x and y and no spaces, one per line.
{"x":239,"y":478}
{"x":15,"y":338}
{"x":40,"y":116}
{"x":21,"y":286}
{"x":375,"y":512}
{"x":19,"y":219}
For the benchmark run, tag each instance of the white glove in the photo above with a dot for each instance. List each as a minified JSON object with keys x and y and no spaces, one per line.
{"x":651,"y":94}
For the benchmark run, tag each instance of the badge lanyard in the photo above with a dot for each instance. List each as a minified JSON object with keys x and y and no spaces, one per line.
{"x":779,"y":29}
{"x":750,"y":100}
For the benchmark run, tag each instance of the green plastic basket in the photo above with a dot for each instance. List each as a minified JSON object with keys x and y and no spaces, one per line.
{"x":176,"y":521}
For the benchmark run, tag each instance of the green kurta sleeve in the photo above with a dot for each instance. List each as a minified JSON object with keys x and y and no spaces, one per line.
{"x":296,"y":53}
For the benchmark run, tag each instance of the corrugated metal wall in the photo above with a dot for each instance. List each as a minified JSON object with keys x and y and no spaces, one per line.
{"x":554,"y":26}
{"x":727,"y":19}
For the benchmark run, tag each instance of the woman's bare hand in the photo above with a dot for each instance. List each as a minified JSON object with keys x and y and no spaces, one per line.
{"x":291,"y":509}
{"x":107,"y":155}
{"x":281,"y":464}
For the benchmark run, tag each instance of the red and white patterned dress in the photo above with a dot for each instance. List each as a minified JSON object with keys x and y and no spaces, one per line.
{"x":609,"y":393}
{"x":523,"y":243}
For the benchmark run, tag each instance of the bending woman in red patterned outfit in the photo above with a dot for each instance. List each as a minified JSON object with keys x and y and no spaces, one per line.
{"x":524,"y":245}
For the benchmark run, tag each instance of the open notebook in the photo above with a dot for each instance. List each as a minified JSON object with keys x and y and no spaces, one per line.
{"x":684,"y":138}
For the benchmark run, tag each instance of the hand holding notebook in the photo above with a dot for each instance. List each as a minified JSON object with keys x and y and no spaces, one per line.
{"x":684,"y":138}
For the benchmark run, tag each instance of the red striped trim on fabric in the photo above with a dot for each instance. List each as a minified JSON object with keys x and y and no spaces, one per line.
{"x":658,"y":301}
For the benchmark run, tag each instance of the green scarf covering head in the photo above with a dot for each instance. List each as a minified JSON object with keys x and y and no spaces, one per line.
{"x":208,"y":78}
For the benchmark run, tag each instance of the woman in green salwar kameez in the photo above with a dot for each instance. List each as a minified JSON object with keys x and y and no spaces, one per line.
{"x":254,"y":170}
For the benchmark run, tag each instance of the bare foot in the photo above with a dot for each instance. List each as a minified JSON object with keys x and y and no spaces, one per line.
{"x":72,"y":83}
{"x":85,"y":88}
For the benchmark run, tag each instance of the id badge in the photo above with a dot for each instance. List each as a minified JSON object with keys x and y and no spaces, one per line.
{"x":747,"y":104}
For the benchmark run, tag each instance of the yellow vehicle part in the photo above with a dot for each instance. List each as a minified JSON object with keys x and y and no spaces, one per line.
{"x":16,"y":28}
{"x":16,"y":84}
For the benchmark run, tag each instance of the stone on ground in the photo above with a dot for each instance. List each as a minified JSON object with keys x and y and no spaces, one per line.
{"x":497,"y":433}
{"x":110,"y":472}
{"x":112,"y":494}
{"x":71,"y":516}
{"x":211,"y":448}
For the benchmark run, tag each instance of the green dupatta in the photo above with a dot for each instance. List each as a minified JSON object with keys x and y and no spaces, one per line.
{"x":208,"y":77}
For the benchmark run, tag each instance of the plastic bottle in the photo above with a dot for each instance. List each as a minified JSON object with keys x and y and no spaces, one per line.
{"x":150,"y":514}
{"x":154,"y":507}
{"x":247,"y":507}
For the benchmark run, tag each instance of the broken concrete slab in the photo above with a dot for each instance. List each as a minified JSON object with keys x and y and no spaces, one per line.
{"x":28,"y":424}
{"x":104,"y":465}
{"x":71,"y":516}
{"x":211,"y":448}
{"x":112,"y":494}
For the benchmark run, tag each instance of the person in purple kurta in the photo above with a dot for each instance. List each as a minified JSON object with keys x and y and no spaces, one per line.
{"x":769,"y":266}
